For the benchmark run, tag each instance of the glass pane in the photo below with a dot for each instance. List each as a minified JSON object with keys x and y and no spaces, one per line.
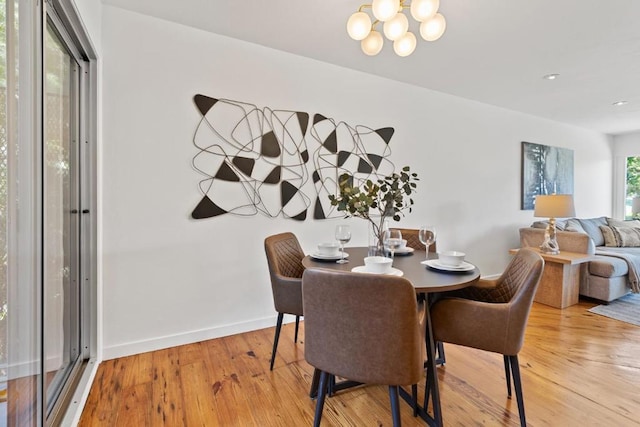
{"x":632,"y":199}
{"x":61,"y":216}
{"x":3,"y":215}
{"x":20,"y":334}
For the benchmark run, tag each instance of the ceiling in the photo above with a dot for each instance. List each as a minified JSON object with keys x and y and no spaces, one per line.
{"x":494,"y":51}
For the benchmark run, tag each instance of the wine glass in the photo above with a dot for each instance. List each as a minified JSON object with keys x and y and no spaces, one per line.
{"x":427,"y":236}
{"x":392,"y":240}
{"x":343,"y":235}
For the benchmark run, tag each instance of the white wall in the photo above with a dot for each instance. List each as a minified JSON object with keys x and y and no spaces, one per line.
{"x":171,"y":280}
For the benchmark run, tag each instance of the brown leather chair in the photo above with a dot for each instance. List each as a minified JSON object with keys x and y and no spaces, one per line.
{"x":284,"y":257}
{"x":363,"y":328}
{"x":492,"y":315}
{"x":413,"y":241}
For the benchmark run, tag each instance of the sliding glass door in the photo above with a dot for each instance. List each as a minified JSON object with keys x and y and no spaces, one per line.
{"x":61,"y":215}
{"x":47,"y":204}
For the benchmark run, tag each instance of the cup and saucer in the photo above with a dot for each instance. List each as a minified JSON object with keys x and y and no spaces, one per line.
{"x":329,"y":252}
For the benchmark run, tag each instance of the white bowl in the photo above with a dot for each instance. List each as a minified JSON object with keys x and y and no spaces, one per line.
{"x":451,"y":258}
{"x":378,"y":264}
{"x":403,"y":244}
{"x":329,"y":249}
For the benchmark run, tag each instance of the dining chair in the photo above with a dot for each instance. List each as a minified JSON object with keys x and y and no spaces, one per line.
{"x":492,"y":315}
{"x":284,"y":257}
{"x":363,"y":328}
{"x":413,"y":241}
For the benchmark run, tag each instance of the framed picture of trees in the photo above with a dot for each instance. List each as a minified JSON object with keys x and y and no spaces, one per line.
{"x":545,"y":170}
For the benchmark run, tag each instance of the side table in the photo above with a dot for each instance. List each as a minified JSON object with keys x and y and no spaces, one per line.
{"x":560,"y":283}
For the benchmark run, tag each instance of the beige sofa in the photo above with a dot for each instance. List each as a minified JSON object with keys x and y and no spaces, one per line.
{"x":614,"y":270}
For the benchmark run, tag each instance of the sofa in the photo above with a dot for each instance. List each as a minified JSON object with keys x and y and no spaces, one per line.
{"x":614,"y":270}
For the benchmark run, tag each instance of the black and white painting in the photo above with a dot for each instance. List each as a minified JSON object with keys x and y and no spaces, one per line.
{"x":280,"y":163}
{"x":545,"y":170}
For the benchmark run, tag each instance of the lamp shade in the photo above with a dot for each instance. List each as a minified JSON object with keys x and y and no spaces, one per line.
{"x":385,"y":9}
{"x":421,"y":10}
{"x":359,"y":25}
{"x":405,"y":45}
{"x":433,"y":28}
{"x":372,"y":44}
{"x":396,"y":27}
{"x":554,"y":206}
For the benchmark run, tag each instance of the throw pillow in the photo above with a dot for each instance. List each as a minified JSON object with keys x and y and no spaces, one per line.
{"x":609,"y":236}
{"x":574,"y":225}
{"x":626,"y":223}
{"x":623,"y":237}
{"x":629,"y":237}
{"x":592,"y":227}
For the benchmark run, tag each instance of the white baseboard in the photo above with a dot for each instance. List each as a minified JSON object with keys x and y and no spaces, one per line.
{"x":160,"y":343}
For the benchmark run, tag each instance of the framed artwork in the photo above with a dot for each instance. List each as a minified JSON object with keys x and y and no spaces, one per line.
{"x":545,"y":170}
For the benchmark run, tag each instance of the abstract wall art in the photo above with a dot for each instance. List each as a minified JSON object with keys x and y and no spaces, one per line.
{"x":279,"y":163}
{"x":545,"y":170}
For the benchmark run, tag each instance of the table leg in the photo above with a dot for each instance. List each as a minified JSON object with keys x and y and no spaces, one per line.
{"x":434,"y":391}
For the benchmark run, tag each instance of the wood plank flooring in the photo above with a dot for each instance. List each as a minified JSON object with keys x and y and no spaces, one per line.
{"x":578,"y":369}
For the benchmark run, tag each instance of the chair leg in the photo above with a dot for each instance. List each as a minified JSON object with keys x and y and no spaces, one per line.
{"x":441,"y":359}
{"x":275,"y":339}
{"x":322,"y":391}
{"x":313,"y":390}
{"x":295,"y":338}
{"x":414,"y":397}
{"x":395,"y":407}
{"x":427,"y":392}
{"x":515,"y":369}
{"x":507,"y":373}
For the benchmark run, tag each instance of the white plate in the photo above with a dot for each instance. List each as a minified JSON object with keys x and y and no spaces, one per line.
{"x":330,"y":257}
{"x":363,"y":269}
{"x":403,"y":251}
{"x":435,"y":263}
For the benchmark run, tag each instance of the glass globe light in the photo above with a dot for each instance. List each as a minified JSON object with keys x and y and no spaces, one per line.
{"x":433,"y":29}
{"x":395,"y":27}
{"x":405,"y":45}
{"x":384,"y":10}
{"x":421,"y":10}
{"x":372,"y":44}
{"x":359,"y":25}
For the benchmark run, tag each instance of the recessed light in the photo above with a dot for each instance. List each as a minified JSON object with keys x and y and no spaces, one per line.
{"x":620,"y":103}
{"x":551,"y":76}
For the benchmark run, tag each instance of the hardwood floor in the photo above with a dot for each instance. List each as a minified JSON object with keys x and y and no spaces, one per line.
{"x":578,"y":369}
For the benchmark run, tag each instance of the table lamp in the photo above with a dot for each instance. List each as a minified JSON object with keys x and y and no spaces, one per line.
{"x":553,"y":206}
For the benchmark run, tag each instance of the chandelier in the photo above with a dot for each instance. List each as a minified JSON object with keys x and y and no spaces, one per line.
{"x":396,"y":25}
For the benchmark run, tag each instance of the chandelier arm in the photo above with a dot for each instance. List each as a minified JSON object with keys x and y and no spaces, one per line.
{"x":364,"y":6}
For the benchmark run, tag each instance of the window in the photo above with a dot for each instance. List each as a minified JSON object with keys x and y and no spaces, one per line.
{"x":632,"y":188}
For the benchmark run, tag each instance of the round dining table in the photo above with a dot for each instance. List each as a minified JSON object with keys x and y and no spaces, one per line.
{"x":426,"y":280}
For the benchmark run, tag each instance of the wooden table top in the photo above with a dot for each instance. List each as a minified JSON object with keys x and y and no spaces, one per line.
{"x":424,"y":279}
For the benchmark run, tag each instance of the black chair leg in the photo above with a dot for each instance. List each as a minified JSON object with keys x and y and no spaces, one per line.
{"x":322,"y":391}
{"x":275,"y":339}
{"x":313,"y":390}
{"x":441,"y":359}
{"x":395,"y":407}
{"x":517,"y":383}
{"x":295,"y":338}
{"x":414,"y":396}
{"x":427,"y":392}
{"x":507,"y":373}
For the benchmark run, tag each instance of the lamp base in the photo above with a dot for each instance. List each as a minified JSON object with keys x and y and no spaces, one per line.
{"x":550,"y":244}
